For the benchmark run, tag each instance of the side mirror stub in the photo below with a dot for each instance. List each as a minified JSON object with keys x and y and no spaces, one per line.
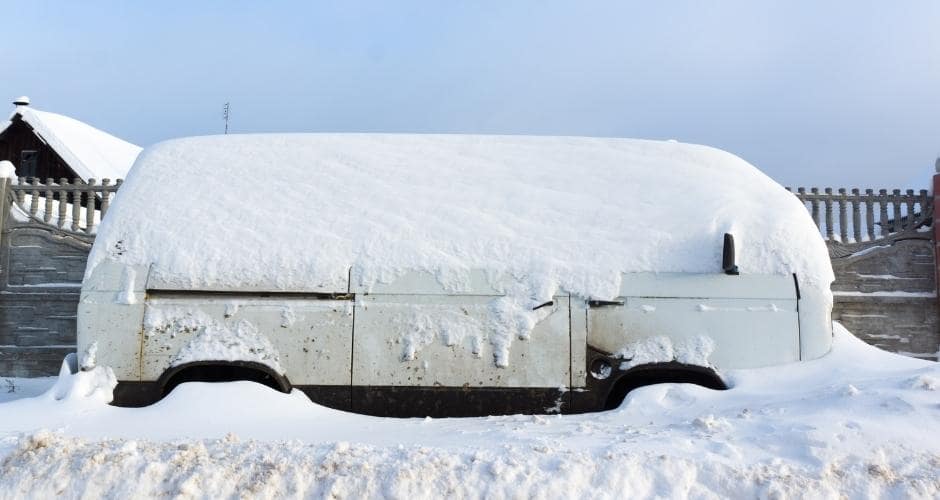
{"x":727,"y":256}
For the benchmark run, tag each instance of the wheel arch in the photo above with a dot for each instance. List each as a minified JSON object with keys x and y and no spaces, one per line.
{"x":221,"y":371}
{"x":661,"y":373}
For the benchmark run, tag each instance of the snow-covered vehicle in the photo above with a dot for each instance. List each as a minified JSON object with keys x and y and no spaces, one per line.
{"x":446,"y":275}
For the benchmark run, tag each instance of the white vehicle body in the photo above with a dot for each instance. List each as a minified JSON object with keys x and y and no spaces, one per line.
{"x":412,"y":344}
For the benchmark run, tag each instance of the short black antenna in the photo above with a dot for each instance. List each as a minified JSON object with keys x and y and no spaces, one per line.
{"x":225,"y":116}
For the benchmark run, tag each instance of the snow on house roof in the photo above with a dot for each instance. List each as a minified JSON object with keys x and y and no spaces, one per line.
{"x":91,"y":153}
{"x":299,"y":211}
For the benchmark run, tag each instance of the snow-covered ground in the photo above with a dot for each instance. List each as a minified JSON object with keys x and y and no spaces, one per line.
{"x":18,"y":388}
{"x":857,"y":423}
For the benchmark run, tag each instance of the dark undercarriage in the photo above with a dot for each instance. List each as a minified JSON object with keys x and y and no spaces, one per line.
{"x":415,"y":401}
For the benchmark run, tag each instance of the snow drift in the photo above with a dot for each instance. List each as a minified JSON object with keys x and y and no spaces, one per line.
{"x":297,"y":211}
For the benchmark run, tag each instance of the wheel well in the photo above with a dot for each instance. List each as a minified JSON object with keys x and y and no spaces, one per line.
{"x":661,"y":373}
{"x":222,"y":371}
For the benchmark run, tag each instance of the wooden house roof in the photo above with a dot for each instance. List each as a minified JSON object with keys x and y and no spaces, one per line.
{"x":91,"y":153}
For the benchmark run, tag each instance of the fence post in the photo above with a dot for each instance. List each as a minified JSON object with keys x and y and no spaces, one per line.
{"x":936,"y":226}
{"x":76,"y":205}
{"x":7,"y":174}
{"x":90,"y":207}
{"x":843,"y":218}
{"x":63,"y":201}
{"x":47,"y":210}
{"x":870,"y":213}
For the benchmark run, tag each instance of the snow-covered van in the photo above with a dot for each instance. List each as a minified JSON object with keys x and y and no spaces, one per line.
{"x":448,"y":275}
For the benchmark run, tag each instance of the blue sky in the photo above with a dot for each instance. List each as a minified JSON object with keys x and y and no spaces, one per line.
{"x":813,"y":93}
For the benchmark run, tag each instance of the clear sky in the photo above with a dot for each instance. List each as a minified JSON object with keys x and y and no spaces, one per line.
{"x":813,"y":93}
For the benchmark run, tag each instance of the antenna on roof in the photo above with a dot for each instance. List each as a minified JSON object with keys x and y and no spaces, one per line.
{"x":225,"y":116}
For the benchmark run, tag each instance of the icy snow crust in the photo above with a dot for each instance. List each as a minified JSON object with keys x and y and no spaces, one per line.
{"x":856,"y":423}
{"x":538,"y":215}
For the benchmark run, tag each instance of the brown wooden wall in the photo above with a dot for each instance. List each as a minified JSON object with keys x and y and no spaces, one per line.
{"x":20,"y":136}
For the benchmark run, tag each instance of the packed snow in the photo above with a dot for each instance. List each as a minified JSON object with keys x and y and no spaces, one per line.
{"x":857,"y":423}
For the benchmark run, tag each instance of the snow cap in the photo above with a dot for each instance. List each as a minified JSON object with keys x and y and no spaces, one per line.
{"x":7,"y":170}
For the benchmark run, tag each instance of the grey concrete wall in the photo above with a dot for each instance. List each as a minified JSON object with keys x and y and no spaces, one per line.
{"x":40,"y":278}
{"x":904,"y":325}
{"x":40,"y":257}
{"x":887,"y":297}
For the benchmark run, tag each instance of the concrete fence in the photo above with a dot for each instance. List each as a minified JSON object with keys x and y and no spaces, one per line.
{"x":882,"y":248}
{"x":852,"y":221}
{"x":76,"y":206}
{"x":882,"y":244}
{"x":46,"y":231}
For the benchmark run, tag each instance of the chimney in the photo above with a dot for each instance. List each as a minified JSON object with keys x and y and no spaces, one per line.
{"x":21,"y":101}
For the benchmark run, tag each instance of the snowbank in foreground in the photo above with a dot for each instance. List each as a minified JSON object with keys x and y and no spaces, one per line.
{"x":545,"y":213}
{"x":228,"y":468}
{"x":857,"y":423}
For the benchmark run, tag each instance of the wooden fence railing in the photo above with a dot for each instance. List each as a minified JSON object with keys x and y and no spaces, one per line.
{"x":852,"y":220}
{"x":74,"y":206}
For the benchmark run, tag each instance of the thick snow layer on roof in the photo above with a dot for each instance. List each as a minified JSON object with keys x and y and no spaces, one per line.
{"x":92,"y":153}
{"x":290,"y":212}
